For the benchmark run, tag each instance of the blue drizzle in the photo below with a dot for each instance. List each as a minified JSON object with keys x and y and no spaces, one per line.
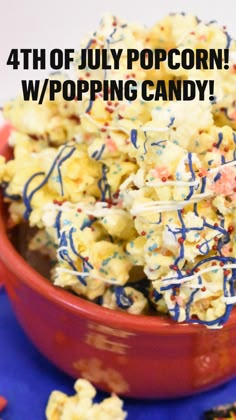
{"x":103,"y":185}
{"x":65,"y":256}
{"x":89,"y":106}
{"x":203,"y":186}
{"x":220,"y":139}
{"x":156,"y":295}
{"x":90,"y":41}
{"x":159,"y":143}
{"x":97,"y":154}
{"x":133,"y":138}
{"x":144,"y":145}
{"x":172,"y":119}
{"x":228,"y":40}
{"x":217,"y":177}
{"x":27,"y":198}
{"x":222,"y":160}
{"x":86,"y":264}
{"x":122,"y":299}
{"x":234,"y":139}
{"x":59,"y":168}
{"x":87,"y":223}
{"x":57,"y":224}
{"x":190,"y":163}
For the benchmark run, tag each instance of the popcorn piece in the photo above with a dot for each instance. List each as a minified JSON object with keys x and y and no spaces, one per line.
{"x":62,"y":407}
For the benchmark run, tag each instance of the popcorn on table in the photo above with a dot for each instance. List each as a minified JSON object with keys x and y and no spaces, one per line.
{"x":80,"y":406}
{"x":135,"y":201}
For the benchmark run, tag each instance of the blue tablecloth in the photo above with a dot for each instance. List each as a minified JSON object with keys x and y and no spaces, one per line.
{"x":27,"y":378}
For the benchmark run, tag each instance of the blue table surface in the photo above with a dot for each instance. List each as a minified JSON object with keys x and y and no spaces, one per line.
{"x":27,"y":378}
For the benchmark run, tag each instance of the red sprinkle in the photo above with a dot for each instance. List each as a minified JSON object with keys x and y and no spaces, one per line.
{"x":227,"y":272}
{"x":143,"y":233}
{"x":226,"y":149}
{"x":58,"y":202}
{"x":172,"y":297}
{"x":216,"y":224}
{"x":163,"y":179}
{"x":214,"y":263}
{"x":203,"y":289}
{"x":188,"y":272}
{"x":181,"y":240}
{"x":196,"y":270}
{"x":198,"y":246}
{"x":103,"y":130}
{"x":79,"y":210}
{"x":214,"y":247}
{"x":230,"y":229}
{"x":3,"y":403}
{"x":222,"y":264}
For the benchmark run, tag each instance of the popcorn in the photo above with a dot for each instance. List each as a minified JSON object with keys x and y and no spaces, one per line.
{"x":134,"y":200}
{"x":60,"y":406}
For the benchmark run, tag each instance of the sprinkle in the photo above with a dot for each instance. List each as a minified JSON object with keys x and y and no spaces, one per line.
{"x":3,"y":403}
{"x":227,"y":272}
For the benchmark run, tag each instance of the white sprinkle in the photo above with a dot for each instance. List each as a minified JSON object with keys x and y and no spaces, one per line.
{"x":232,"y":163}
{"x":176,"y":183}
{"x":82,"y":274}
{"x":72,"y":272}
{"x":229,"y":299}
{"x":157,"y":129}
{"x":200,"y":273}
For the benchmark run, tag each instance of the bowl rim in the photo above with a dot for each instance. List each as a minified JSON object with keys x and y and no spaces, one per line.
{"x":146,"y":324}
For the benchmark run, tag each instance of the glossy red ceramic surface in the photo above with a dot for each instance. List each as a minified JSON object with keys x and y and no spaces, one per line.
{"x":139,"y":356}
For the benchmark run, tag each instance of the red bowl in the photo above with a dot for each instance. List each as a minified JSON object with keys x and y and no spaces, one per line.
{"x":138,"y":356}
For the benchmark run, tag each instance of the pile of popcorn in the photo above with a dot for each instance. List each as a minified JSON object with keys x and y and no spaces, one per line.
{"x":135,"y":201}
